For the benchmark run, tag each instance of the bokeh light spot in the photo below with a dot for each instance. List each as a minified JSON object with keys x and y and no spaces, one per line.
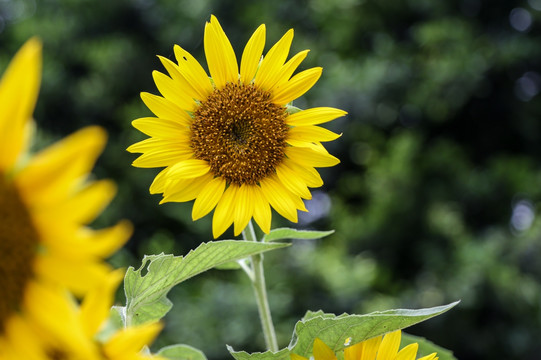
{"x":520,"y":19}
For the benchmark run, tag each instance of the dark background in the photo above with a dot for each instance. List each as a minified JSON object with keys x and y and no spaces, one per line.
{"x":435,"y":199}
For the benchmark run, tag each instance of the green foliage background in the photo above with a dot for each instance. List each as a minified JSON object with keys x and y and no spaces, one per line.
{"x":436,"y":196}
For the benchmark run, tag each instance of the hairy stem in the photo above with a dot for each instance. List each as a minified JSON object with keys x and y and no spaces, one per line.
{"x":260,"y":292}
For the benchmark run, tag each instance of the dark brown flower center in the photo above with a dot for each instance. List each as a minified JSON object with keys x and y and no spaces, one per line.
{"x":18,"y":245}
{"x":240,"y":132}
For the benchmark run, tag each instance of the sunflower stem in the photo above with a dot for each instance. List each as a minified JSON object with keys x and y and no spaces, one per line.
{"x":260,"y":292}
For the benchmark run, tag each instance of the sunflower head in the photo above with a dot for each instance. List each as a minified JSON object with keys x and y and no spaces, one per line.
{"x":229,"y":140}
{"x":46,"y":203}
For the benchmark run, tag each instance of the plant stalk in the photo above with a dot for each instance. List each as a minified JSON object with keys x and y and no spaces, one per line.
{"x":260,"y":292}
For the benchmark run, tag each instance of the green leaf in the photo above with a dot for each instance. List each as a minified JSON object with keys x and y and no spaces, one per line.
{"x":268,"y":355}
{"x":288,"y":233}
{"x":181,"y":352}
{"x":313,"y":314}
{"x":146,"y":294}
{"x":334,"y":330}
{"x":114,"y":323}
{"x":426,"y":347}
{"x":232,"y":265}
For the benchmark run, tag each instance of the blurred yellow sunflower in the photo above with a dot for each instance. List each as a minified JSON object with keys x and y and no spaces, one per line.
{"x":229,"y":141}
{"x":64,"y":330}
{"x":45,"y":203}
{"x":378,"y":348}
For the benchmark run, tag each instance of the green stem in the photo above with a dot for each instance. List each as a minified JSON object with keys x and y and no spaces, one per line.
{"x":260,"y":292}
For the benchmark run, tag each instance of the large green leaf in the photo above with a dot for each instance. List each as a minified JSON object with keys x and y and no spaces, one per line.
{"x":335,"y":330}
{"x":288,"y":233}
{"x":268,"y":355}
{"x":181,"y":352}
{"x":146,"y":294}
{"x":426,"y":347}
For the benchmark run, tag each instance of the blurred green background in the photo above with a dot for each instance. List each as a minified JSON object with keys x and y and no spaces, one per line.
{"x":437,"y":194}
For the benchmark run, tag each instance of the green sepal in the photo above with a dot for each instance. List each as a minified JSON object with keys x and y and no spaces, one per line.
{"x":292,"y":109}
{"x":289,"y":233}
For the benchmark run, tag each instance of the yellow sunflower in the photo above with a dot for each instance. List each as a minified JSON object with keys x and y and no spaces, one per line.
{"x":64,"y":330}
{"x":45,"y":203}
{"x":378,"y":348}
{"x":230,"y":141}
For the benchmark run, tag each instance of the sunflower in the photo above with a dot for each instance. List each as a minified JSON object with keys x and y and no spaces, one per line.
{"x":231,"y":141}
{"x":68,"y":331}
{"x":45,"y":203}
{"x":377,"y":348}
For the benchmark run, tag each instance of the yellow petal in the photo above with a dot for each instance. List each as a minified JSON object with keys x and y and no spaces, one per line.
{"x":269,"y":70}
{"x":53,"y":237}
{"x":292,"y":181}
{"x":77,"y":276}
{"x":303,"y":144}
{"x":184,"y":86}
{"x":56,"y":313}
{"x":172,"y":91}
{"x":244,"y":207}
{"x":208,"y":198}
{"x":192,"y":71}
{"x":308,"y":174}
{"x":185,"y":189}
{"x":19,"y":89}
{"x":311,"y":133}
{"x":370,"y":348}
{"x":19,"y":341}
{"x":310,"y":157}
{"x":279,"y":198}
{"x":262,"y":211}
{"x":429,"y":357}
{"x":354,"y":352}
{"x":163,"y":129}
{"x":96,"y":305}
{"x":220,"y":56}
{"x":104,"y":242}
{"x":289,"y":68}
{"x":54,"y":172}
{"x":89,"y":202}
{"x":127,"y":342}
{"x":158,"y":185}
{"x":296,"y":86}
{"x":76,"y":243}
{"x":252,"y":55}
{"x":408,"y":353}
{"x":165,"y":109}
{"x":297,"y":357}
{"x":322,"y":351}
{"x":389,"y":346}
{"x":157,"y":144}
{"x":314,"y":116}
{"x":163,"y":157}
{"x":224,"y":214}
{"x":189,"y":169}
